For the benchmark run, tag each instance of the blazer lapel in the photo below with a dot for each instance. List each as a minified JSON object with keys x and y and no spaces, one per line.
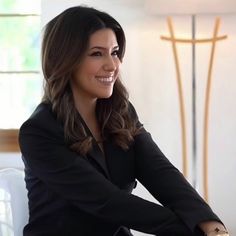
{"x":96,"y":153}
{"x":98,"y":156}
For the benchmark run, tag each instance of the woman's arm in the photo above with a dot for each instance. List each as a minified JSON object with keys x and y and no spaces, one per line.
{"x":167,"y":184}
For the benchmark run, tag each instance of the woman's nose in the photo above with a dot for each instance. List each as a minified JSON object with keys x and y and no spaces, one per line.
{"x":110,"y":64}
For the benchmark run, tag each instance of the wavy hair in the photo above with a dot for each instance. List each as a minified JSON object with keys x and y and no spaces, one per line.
{"x":65,"y":41}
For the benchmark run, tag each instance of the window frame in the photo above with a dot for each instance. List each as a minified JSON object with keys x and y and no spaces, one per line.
{"x":9,"y":137}
{"x":9,"y":140}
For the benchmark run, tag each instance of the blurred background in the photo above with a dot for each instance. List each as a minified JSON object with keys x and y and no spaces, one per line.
{"x":149,"y":71}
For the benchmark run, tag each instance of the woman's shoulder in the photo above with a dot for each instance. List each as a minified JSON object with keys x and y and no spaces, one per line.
{"x":42,"y":120}
{"x":41,"y":113}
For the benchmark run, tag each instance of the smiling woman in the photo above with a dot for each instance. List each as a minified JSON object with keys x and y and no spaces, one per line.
{"x":84,"y":146}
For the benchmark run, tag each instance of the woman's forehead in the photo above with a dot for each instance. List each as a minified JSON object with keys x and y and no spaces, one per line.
{"x":103,"y":38}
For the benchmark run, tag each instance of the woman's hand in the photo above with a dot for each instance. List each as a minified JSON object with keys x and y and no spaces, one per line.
{"x":218,"y":232}
{"x":213,"y":228}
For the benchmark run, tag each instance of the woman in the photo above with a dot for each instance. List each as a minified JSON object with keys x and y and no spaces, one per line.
{"x":84,"y":147}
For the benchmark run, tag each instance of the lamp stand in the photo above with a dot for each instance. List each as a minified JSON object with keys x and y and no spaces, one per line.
{"x":193,"y":42}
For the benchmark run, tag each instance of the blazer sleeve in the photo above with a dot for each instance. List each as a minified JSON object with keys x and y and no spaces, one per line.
{"x":74,"y":179}
{"x":167,"y":184}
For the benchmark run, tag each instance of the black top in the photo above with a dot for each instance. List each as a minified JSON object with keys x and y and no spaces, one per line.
{"x":70,"y":195}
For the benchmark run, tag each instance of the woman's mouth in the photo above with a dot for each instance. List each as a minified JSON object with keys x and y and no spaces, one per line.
{"x":105,"y":80}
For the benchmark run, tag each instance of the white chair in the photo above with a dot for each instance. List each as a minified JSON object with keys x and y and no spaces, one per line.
{"x":13,"y":202}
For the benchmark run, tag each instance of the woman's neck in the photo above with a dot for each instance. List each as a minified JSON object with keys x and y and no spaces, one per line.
{"x":86,"y":108}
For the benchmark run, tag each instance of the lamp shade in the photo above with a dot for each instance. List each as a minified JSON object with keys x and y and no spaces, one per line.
{"x":172,"y":7}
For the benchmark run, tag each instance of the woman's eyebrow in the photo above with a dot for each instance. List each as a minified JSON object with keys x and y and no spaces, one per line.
{"x":103,"y":48}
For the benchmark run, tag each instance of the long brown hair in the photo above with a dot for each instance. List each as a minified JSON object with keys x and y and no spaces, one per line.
{"x":65,"y":41}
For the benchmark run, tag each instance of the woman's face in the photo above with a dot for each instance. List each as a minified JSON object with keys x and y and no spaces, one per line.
{"x":98,"y":70}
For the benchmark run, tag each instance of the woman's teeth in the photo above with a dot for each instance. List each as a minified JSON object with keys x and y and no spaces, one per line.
{"x":105,"y":79}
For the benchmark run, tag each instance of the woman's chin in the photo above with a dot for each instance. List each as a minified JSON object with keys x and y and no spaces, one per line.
{"x":105,"y":94}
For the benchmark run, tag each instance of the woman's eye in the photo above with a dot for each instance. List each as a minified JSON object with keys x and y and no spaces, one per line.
{"x":96,"y":54}
{"x":115,"y":53}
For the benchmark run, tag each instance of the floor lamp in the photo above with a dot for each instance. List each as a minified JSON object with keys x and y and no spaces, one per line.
{"x":192,"y":8}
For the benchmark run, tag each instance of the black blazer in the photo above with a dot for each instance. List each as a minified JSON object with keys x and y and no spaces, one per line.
{"x":71,"y":195}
